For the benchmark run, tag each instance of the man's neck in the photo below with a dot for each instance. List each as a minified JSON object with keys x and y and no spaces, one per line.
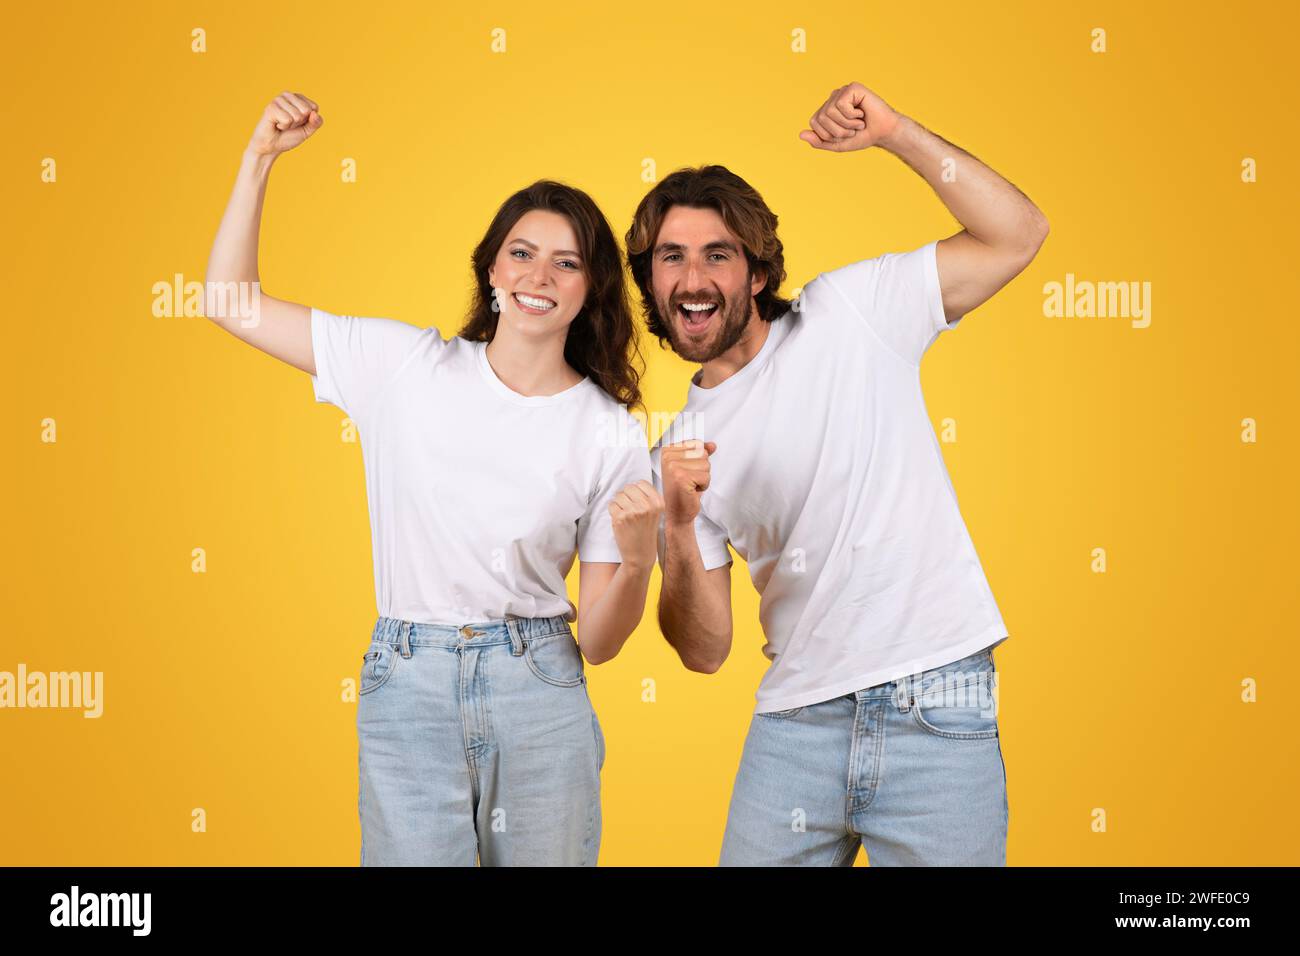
{"x":738,"y":356}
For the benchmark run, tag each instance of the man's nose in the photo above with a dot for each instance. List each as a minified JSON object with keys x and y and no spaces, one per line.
{"x":692,"y":275}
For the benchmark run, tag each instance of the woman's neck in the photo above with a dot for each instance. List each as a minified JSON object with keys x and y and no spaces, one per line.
{"x":533,"y":366}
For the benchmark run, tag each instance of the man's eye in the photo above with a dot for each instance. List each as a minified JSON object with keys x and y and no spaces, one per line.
{"x":670,"y":256}
{"x":719,"y":255}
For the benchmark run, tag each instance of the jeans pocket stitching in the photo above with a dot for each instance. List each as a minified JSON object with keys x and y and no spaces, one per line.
{"x":555,"y":681}
{"x":369,"y":656}
{"x":783,"y":714}
{"x":951,"y":734}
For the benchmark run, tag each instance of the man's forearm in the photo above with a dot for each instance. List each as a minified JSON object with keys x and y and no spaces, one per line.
{"x":691,"y":616}
{"x":987,"y":205}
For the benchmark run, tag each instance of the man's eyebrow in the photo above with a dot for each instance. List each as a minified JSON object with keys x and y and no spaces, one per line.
{"x":725,"y":245}
{"x":558,"y":252}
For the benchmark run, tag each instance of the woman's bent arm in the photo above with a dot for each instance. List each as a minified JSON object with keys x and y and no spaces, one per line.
{"x":233,"y":296}
{"x":611,"y":597}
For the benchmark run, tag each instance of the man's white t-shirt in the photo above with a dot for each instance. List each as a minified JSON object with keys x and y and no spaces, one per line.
{"x":478,"y":496}
{"x":828,"y":480}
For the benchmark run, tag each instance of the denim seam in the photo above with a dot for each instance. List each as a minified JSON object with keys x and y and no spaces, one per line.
{"x":361,"y":801}
{"x":853,"y":761}
{"x":873,"y":785}
{"x":485,"y":702}
{"x":392,"y":666}
{"x":951,"y":735}
{"x":470,"y":762}
{"x":532,"y":666}
{"x":587,"y":841}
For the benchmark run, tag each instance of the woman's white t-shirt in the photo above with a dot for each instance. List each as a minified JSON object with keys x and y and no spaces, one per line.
{"x":828,"y":479}
{"x":479,"y":496}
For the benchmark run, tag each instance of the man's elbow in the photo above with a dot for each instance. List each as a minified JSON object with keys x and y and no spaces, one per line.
{"x":1035,"y":233}
{"x":704,"y":665}
{"x":692,"y":660}
{"x":707,"y":660}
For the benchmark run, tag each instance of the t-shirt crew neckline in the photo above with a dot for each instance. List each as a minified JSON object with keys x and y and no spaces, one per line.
{"x":776,"y":330}
{"x":509,"y":394}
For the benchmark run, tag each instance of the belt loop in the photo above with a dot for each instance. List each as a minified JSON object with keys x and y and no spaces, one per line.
{"x":516,"y":638}
{"x":406,"y":638}
{"x":903,"y":693}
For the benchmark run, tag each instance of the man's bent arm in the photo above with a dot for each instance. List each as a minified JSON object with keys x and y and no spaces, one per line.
{"x":1003,"y":229}
{"x":694,"y":604}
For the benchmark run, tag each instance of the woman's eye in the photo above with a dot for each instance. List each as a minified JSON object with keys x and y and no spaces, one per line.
{"x":569,"y":262}
{"x":522,"y":252}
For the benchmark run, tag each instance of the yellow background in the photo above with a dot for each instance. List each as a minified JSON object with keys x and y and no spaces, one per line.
{"x":1119,"y":691}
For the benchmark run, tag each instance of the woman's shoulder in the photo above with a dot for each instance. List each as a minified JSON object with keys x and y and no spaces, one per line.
{"x":619,"y":432}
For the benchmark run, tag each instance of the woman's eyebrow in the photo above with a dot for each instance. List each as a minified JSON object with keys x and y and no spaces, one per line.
{"x":558,"y":252}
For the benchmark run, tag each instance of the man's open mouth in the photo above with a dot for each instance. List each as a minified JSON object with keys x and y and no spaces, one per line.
{"x":696,"y":315}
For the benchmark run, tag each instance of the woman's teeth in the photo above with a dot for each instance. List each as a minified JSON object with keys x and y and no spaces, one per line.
{"x":533,"y":304}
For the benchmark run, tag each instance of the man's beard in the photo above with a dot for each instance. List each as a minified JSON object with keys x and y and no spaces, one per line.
{"x":732,"y":316}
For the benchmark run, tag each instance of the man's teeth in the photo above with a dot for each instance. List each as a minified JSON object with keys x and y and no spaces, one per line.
{"x":697,"y":314}
{"x":532,"y":303}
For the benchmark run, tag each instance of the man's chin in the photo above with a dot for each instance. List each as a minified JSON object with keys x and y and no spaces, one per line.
{"x":692,"y":349}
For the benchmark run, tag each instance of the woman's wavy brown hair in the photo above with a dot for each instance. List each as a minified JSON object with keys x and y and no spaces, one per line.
{"x":742,"y":210}
{"x":601,"y":342}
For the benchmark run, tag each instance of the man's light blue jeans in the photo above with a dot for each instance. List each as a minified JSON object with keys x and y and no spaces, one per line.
{"x":910,"y":769}
{"x":479,"y":740}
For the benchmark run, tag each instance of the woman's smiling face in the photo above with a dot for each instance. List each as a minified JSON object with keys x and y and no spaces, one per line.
{"x":540,"y":274}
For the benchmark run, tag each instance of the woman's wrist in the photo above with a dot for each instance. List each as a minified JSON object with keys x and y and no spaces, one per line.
{"x":259,"y":163}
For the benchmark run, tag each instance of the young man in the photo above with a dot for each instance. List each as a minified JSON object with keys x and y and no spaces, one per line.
{"x":806,"y":444}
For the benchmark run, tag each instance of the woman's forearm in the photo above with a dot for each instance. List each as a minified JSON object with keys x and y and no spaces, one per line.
{"x":234,"y":251}
{"x":607,"y":624}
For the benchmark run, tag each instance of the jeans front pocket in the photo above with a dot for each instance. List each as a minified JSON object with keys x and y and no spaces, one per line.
{"x":965,"y":710}
{"x":377,"y":666}
{"x":782,"y":714}
{"x":556,"y":659}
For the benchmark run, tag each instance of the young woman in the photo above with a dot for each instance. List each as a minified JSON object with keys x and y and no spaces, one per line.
{"x":491,"y":458}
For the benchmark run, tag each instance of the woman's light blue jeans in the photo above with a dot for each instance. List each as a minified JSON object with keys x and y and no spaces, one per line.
{"x":477,"y":741}
{"x":911,"y":770}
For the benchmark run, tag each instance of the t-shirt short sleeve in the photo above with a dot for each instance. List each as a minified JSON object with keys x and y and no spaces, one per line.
{"x":626,"y":460}
{"x":897,"y":294}
{"x":355,"y":357}
{"x":712,"y":541}
{"x":709,"y":536}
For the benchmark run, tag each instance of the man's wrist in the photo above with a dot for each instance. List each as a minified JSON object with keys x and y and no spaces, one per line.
{"x":894,"y":137}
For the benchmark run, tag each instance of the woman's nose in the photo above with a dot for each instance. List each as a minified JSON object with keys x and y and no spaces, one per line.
{"x":541,"y":273}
